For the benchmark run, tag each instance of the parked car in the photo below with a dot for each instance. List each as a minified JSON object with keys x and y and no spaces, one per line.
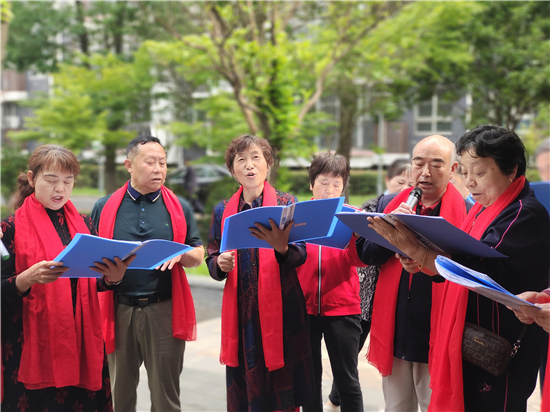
{"x":197,"y":191}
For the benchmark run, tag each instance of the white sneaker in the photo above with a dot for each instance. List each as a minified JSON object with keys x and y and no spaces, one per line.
{"x":330,"y":407}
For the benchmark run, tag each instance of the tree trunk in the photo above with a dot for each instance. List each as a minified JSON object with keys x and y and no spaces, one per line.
{"x":83,"y":33}
{"x":347,"y":93}
{"x":118,"y":29}
{"x":110,"y":168}
{"x":266,"y":134}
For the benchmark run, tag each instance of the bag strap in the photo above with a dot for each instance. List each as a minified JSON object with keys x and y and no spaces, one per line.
{"x":518,"y":341}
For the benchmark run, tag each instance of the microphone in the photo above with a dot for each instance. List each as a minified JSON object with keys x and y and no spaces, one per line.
{"x":414,"y":197}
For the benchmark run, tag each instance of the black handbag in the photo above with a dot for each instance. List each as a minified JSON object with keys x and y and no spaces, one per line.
{"x":487,"y":350}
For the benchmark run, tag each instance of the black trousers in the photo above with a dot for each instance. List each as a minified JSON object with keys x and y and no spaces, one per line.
{"x":341,"y":335}
{"x":334,"y":396}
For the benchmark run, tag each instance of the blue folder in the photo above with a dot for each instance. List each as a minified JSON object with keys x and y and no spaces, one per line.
{"x":84,"y":250}
{"x":341,"y":235}
{"x":433,"y":231}
{"x":477,"y":282}
{"x":542,"y":193}
{"x":312,"y":219}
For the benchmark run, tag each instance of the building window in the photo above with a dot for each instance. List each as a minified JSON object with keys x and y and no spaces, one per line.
{"x":433,"y":116}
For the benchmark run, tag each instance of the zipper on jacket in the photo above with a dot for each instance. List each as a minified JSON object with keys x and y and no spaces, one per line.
{"x":319,"y":299}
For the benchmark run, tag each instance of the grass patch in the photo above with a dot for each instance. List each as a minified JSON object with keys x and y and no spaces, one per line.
{"x":201,"y":270}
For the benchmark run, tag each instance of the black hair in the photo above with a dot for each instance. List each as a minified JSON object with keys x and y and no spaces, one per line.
{"x":502,"y":145}
{"x":328,"y":163}
{"x":397,"y":168}
{"x":140,"y":140}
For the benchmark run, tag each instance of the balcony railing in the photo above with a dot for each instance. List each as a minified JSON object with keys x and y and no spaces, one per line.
{"x":13,"y":81}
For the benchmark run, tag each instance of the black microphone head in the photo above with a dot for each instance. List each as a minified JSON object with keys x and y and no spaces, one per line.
{"x":414,"y":197}
{"x":416,"y":192}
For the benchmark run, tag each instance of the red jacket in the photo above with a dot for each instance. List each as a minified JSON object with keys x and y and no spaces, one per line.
{"x":336,"y":285}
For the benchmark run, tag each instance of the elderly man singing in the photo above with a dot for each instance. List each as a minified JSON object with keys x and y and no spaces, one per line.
{"x":406,"y":300}
{"x":151,"y":314}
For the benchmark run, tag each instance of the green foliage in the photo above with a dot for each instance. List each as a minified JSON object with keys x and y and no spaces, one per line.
{"x":298,"y":182}
{"x":423,"y":49}
{"x":13,"y":163}
{"x":93,"y":104}
{"x":32,"y":42}
{"x":98,"y":102}
{"x":89,"y":176}
{"x":510,"y":72}
{"x":5,"y":11}
{"x":362,"y":182}
{"x":223,"y":122}
{"x":532,"y":174}
{"x":276,"y":70}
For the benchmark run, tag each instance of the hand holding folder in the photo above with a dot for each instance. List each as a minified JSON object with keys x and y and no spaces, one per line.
{"x":431,"y":231}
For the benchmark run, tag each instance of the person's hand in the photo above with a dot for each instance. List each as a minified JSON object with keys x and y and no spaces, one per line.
{"x":277,"y":239}
{"x":113,"y":270}
{"x":169,"y":264}
{"x":529,"y":314}
{"x":398,"y":234}
{"x":404,"y":208}
{"x":44,"y":272}
{"x":410,"y":265}
{"x":540,"y":316}
{"x":226,"y":261}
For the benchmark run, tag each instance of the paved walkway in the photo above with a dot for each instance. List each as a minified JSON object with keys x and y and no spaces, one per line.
{"x":203,"y":377}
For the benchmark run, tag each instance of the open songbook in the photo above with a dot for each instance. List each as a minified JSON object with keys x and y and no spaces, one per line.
{"x":312,"y":219}
{"x":84,"y":250}
{"x":432,"y":231}
{"x":340,"y":236}
{"x":477,"y":282}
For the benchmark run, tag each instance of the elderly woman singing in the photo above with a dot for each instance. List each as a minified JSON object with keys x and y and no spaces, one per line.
{"x":508,"y":218}
{"x":53,"y":354}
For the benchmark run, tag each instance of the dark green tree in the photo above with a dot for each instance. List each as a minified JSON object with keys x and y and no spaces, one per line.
{"x":275,"y":57}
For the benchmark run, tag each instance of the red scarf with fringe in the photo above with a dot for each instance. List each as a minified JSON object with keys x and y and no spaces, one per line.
{"x":446,"y":371}
{"x":184,"y":324}
{"x":269,"y":299}
{"x":60,"y":348}
{"x":380,"y":353}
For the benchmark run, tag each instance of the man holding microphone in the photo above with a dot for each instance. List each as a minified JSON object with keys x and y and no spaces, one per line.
{"x":406,"y":301}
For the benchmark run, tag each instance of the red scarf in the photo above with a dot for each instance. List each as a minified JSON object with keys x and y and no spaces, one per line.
{"x":380,"y":353}
{"x":59,"y":349}
{"x":184,"y":324}
{"x":545,"y":405}
{"x":269,"y":299}
{"x":446,"y":371}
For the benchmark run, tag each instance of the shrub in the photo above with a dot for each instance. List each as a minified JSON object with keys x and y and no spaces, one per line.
{"x":89,"y":175}
{"x":362,"y":182}
{"x":13,"y":163}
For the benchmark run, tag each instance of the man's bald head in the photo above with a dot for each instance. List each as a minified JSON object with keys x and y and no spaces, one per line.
{"x":433,"y":165}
